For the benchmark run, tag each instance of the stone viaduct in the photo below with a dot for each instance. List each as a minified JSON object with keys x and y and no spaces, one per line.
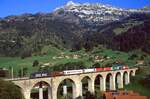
{"x":117,"y":79}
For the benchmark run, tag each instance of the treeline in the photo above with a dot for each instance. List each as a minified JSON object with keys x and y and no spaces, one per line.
{"x":8,"y":90}
{"x":135,"y":38}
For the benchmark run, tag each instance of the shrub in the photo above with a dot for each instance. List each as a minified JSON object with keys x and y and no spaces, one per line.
{"x":133,"y":56}
{"x":89,"y":95}
{"x":35,"y":63}
{"x":96,"y":65}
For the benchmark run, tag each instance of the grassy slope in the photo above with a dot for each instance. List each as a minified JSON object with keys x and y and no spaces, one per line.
{"x":136,"y":86}
{"x":17,"y":63}
{"x":126,"y":26}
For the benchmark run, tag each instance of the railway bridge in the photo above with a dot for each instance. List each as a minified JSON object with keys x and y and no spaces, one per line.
{"x":117,"y":79}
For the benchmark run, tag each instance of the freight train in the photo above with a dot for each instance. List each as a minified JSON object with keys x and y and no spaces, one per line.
{"x":80,"y":71}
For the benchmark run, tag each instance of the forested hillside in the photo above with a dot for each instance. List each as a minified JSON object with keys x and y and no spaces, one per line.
{"x":73,"y":27}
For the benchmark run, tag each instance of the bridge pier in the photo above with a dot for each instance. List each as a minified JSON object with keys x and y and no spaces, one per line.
{"x":91,"y":86}
{"x":102,"y":84}
{"x":113,"y":85}
{"x":81,"y":89}
{"x":26,"y":94}
{"x":128,"y":78}
{"x":64,"y":90}
{"x":121,"y":81}
{"x":54,"y":92}
{"x":49,"y":93}
{"x":40,"y":93}
{"x":74,"y":90}
{"x":77,"y":89}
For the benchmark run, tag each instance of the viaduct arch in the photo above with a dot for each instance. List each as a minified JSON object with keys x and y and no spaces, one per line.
{"x":117,"y":78}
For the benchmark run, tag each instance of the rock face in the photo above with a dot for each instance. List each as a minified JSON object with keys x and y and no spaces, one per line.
{"x":75,"y":26}
{"x":96,"y":13}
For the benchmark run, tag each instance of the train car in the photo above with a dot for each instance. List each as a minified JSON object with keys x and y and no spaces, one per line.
{"x":39,"y":74}
{"x":69,"y":72}
{"x":88,"y":70}
{"x":56,"y":73}
{"x":125,"y":67}
{"x":99,"y":69}
{"x":117,"y":67}
{"x":107,"y":68}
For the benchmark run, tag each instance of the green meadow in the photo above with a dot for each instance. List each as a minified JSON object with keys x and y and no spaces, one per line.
{"x":55,"y":57}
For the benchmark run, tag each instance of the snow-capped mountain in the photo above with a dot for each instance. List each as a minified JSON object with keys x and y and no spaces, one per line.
{"x":76,"y":26}
{"x":94,"y":13}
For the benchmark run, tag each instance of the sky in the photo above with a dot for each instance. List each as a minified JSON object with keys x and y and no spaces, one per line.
{"x":17,"y":7}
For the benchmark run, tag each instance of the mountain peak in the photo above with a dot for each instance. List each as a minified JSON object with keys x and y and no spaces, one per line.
{"x":96,"y":12}
{"x":92,"y":13}
{"x":71,"y":3}
{"x":146,"y":8}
